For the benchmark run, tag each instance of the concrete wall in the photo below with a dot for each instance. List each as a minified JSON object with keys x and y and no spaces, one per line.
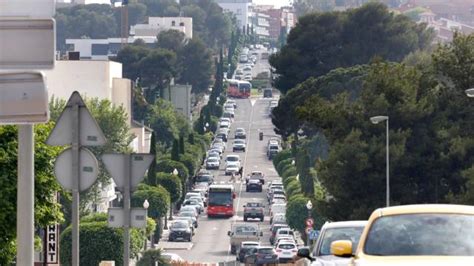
{"x":240,"y":8}
{"x":181,"y":98}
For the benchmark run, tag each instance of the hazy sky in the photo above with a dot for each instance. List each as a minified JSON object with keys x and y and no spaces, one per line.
{"x":276,"y":3}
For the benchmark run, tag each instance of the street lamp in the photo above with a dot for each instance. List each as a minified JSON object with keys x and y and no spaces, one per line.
{"x":470,"y":92}
{"x":292,"y":162}
{"x":376,"y":120}
{"x":146,"y":204}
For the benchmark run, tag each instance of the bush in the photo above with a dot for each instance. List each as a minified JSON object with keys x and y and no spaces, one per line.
{"x":172,"y":184}
{"x":157,"y":196}
{"x":283,"y":164}
{"x":150,"y":257}
{"x":99,"y":242}
{"x":190,"y":161}
{"x":288,"y":171}
{"x":296,"y":212}
{"x":283,"y":155}
{"x":287,"y":181}
{"x":168,"y":166}
{"x":293,"y":187}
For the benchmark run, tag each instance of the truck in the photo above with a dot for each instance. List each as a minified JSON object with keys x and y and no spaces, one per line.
{"x":241,"y":232}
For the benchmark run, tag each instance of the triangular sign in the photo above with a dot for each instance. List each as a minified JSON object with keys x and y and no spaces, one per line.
{"x":114,"y":163}
{"x":90,"y":133}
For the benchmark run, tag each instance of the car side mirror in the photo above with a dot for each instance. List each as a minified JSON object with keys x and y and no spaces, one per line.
{"x":303,"y":252}
{"x":341,"y":248}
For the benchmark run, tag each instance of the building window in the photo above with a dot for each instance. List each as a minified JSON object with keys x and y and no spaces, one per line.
{"x":173,"y":23}
{"x":181,"y":24}
{"x":239,"y":11}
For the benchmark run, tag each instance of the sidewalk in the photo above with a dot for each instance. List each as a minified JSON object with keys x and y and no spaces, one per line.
{"x":166,"y":245}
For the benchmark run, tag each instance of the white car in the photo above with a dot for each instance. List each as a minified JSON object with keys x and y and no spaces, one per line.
{"x":222,"y":119}
{"x":229,"y":169}
{"x":171,"y":257}
{"x":232,"y":159}
{"x":238,"y":145}
{"x":213,"y":163}
{"x":224,"y":124}
{"x":194,"y":203}
{"x":286,"y":250}
{"x":233,"y":102}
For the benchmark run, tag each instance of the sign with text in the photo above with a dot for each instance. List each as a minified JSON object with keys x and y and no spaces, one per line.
{"x":52,"y":244}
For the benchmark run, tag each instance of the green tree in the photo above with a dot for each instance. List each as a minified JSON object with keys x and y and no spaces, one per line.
{"x":152,"y":256}
{"x":172,"y":40}
{"x":345,"y":39}
{"x":175,"y":150}
{"x":197,"y":65}
{"x":47,"y":210}
{"x":162,"y":118}
{"x":157,"y":196}
{"x":151,"y":175}
{"x":181,"y":144}
{"x":172,"y":184}
{"x":296,"y":212}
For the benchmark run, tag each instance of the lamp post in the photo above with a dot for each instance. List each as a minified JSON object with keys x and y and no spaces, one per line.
{"x":376,"y":120}
{"x":309,"y":206}
{"x":175,"y":173}
{"x":146,"y":204}
{"x":470,"y":92}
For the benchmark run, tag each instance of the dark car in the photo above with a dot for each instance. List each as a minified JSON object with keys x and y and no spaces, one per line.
{"x":254,"y":185}
{"x":204,"y":177}
{"x":180,"y":230}
{"x":261,"y":255}
{"x":253,"y":210}
{"x":267,"y":93}
{"x":245,"y":248}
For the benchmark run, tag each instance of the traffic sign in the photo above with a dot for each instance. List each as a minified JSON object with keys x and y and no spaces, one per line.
{"x":139,"y":164}
{"x":27,"y":43}
{"x":90,"y":132}
{"x":88,"y":168}
{"x":309,"y":222}
{"x":313,"y":234}
{"x":116,"y":217}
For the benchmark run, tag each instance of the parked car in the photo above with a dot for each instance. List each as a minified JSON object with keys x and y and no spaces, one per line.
{"x":239,"y":145}
{"x":232,"y":102}
{"x":333,"y":231}
{"x":194,"y":203}
{"x":245,"y":248}
{"x":189,"y":214}
{"x":204,"y":178}
{"x":253,"y":210}
{"x":274,"y":230}
{"x":188,"y":219}
{"x":256,"y":175}
{"x":261,"y":255}
{"x":179,"y":230}
{"x":267,"y":93}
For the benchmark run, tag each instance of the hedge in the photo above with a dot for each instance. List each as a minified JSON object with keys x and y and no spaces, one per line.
{"x":283,"y":164}
{"x":100,"y":242}
{"x":283,"y":155}
{"x":288,"y":171}
{"x":293,"y":187}
{"x":296,"y":212}
{"x":287,"y":181}
{"x":168,"y":166}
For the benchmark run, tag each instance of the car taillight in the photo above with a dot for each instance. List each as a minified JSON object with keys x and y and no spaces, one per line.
{"x":278,"y":250}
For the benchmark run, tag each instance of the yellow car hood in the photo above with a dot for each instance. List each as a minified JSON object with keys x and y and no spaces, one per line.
{"x":414,"y":261}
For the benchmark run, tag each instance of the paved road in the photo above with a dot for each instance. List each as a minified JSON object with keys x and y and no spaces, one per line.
{"x":211,"y":243}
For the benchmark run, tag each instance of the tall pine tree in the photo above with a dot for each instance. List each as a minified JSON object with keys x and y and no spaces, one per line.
{"x":151,"y":176}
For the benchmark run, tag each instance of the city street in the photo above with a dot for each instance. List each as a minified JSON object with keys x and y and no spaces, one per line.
{"x":211,"y":243}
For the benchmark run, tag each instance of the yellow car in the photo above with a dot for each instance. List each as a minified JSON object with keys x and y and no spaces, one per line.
{"x":414,"y":235}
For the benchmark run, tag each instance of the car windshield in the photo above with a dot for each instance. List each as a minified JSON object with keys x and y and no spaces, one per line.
{"x":232,"y":159}
{"x":245,"y":230}
{"x":253,"y":204}
{"x":220,"y":199}
{"x":421,"y":235}
{"x":239,"y":141}
{"x":343,"y":233}
{"x":286,"y":246}
{"x":203,"y":178}
{"x":266,"y":251}
{"x":179,"y":225}
{"x":213,"y":159}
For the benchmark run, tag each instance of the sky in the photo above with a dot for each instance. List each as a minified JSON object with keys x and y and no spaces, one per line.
{"x":276,"y":3}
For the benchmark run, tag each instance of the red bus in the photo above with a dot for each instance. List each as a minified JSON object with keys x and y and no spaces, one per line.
{"x":220,"y":201}
{"x":238,"y":88}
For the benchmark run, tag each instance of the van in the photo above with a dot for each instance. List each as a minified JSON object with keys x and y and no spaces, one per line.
{"x":267,"y":93}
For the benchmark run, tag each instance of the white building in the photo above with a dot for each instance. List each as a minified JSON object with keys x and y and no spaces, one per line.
{"x":158,"y":24}
{"x":101,"y":79}
{"x":180,"y":96}
{"x":102,"y":49}
{"x":240,"y":8}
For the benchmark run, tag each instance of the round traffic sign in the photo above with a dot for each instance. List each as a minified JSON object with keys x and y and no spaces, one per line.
{"x":309,"y":222}
{"x":88,"y":169}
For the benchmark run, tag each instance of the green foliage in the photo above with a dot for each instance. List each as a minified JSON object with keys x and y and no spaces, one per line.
{"x":191,"y":162}
{"x":172,"y":40}
{"x":196,"y":60}
{"x":283,"y":155}
{"x":282,"y":164}
{"x":47,"y":211}
{"x":181,"y":144}
{"x":151,"y":174}
{"x":162,"y":118}
{"x":288,"y":171}
{"x":296,"y":212}
{"x":152,"y":256}
{"x":157,"y":196}
{"x":167,"y":166}
{"x":175,"y":150}
{"x":99,"y":242}
{"x":293,"y":187}
{"x":172,"y":184}
{"x":345,"y":39}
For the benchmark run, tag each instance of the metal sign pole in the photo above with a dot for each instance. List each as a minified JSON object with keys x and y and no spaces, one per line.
{"x":76,"y":185}
{"x":126,"y":209}
{"x":25,"y":196}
